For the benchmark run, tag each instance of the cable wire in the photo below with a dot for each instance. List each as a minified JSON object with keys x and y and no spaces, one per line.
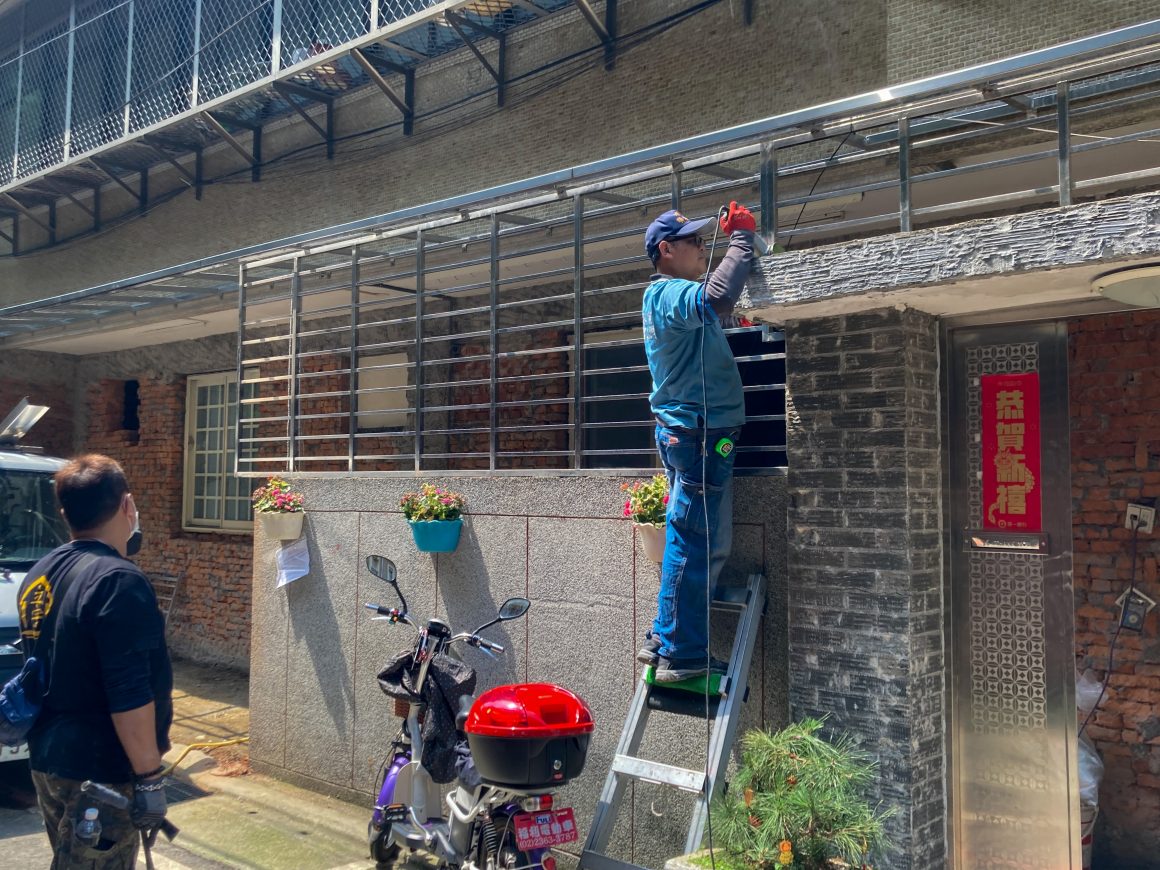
{"x":1116,"y":634}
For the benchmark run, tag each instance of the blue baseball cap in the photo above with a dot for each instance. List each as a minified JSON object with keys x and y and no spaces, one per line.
{"x":670,"y":225}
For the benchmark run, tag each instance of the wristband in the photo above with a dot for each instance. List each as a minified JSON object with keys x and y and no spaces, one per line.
{"x":137,"y":777}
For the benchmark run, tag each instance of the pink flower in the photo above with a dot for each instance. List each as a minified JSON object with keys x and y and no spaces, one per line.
{"x":665,"y":500}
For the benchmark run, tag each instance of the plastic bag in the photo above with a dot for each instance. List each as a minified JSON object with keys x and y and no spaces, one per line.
{"x":293,"y":561}
{"x":1091,"y":771}
{"x":1087,"y":691}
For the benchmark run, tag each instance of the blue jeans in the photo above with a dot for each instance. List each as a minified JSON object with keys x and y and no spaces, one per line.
{"x":699,"y":536}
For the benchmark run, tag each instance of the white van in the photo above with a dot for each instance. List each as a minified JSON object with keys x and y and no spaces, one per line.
{"x":30,"y":527}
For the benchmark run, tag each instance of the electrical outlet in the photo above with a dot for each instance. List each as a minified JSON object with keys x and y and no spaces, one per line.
{"x":1140,"y":517}
{"x":1133,"y":609}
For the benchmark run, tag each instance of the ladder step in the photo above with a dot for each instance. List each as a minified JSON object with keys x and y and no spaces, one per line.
{"x":730,"y":598}
{"x":664,"y":774}
{"x":595,"y":861}
{"x":681,"y":702}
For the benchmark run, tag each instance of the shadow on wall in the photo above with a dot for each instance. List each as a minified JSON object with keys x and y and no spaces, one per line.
{"x":467,"y":598}
{"x":315,"y":625}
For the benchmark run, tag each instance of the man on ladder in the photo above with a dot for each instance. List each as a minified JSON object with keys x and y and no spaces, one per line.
{"x":699,"y":407}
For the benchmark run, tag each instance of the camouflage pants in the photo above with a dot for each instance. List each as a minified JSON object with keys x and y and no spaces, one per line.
{"x":62,"y":804}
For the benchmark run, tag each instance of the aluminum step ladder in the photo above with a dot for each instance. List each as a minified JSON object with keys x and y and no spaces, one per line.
{"x":687,"y":698}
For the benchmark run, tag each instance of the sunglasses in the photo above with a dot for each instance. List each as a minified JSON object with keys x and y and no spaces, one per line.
{"x":695,"y":239}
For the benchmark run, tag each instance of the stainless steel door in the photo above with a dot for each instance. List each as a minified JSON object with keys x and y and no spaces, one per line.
{"x":1012,"y":718}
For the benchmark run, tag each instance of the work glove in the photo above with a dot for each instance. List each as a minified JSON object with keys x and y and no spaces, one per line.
{"x":147,"y":811}
{"x":738,"y":218}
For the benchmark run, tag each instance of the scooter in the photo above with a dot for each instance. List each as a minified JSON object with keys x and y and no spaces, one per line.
{"x":516,"y":745}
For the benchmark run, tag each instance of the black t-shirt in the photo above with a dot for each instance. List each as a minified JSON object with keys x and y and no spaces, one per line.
{"x":107,"y":655}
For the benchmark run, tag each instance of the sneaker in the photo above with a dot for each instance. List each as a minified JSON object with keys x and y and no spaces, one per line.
{"x":649,"y":650}
{"x":669,"y":671}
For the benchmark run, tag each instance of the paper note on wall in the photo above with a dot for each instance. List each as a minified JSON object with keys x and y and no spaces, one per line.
{"x":293,"y":561}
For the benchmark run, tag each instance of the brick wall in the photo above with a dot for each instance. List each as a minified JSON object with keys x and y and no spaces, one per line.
{"x":1115,"y":447}
{"x":209,"y":619}
{"x":865,"y":599}
{"x":925,"y":37}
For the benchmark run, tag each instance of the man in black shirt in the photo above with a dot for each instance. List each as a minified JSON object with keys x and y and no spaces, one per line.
{"x":92,"y":616}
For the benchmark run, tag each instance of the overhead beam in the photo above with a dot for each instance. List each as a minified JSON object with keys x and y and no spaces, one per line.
{"x":457,"y":23}
{"x":517,"y":219}
{"x":402,"y":49}
{"x":185,"y":174}
{"x":289,"y":95}
{"x":229,"y":139}
{"x":303,"y":91}
{"x":605,"y":30}
{"x":405,"y":103}
{"x":611,"y":198}
{"x":28,"y":213}
{"x":7,"y":238}
{"x":726,"y":172}
{"x":112,"y":176}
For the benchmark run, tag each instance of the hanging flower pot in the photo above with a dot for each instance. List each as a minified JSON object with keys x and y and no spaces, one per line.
{"x":278,"y":509}
{"x":436,"y":536}
{"x":435,"y":515}
{"x":282,"y":527}
{"x":646,"y":504}
{"x":652,"y":538}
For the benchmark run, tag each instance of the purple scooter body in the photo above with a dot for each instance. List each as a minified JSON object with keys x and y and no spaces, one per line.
{"x":387,"y":792}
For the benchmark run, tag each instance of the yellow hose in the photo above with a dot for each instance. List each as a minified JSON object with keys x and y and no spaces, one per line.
{"x":173,"y":764}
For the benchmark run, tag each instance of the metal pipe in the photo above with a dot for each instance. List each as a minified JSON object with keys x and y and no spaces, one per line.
{"x":68,"y":79}
{"x":292,"y":407}
{"x":195,"y":73}
{"x":353,"y":380}
{"x":1064,"y":142}
{"x":578,"y":332}
{"x":420,"y":292}
{"x":904,"y":205}
{"x":768,"y":182}
{"x":493,"y":413}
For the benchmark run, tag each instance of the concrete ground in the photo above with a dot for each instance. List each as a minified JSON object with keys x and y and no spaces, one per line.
{"x":229,"y":817}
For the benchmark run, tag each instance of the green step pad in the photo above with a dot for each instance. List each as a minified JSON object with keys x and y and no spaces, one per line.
{"x":696,"y":685}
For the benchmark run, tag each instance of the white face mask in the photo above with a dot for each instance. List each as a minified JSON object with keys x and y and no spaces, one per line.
{"x":133,"y":545}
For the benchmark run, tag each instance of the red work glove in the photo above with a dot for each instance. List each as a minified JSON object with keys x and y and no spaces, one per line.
{"x":738,"y":218}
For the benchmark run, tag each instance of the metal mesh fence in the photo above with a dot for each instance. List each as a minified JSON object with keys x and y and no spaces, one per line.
{"x":137,"y":63}
{"x":236,"y":44}
{"x":42,"y":101}
{"x":101,"y":49}
{"x":9,"y":90}
{"x":162,"y":60}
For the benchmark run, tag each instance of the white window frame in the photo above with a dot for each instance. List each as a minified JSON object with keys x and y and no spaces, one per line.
{"x":189,"y":522}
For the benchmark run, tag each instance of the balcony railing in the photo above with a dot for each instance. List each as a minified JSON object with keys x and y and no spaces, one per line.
{"x":119,"y":86}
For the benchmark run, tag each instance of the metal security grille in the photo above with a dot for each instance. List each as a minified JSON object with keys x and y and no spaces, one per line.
{"x":504,"y":339}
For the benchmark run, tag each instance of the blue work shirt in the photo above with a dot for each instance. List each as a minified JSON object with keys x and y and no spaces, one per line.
{"x":677,"y":323}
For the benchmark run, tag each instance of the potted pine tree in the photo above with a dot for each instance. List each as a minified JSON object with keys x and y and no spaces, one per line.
{"x":799,"y":801}
{"x":436,"y":517}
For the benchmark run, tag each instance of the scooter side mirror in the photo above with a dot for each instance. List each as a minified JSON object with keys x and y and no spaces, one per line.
{"x":514,"y":608}
{"x":383,"y":568}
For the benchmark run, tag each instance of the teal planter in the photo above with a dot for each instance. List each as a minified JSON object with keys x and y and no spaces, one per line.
{"x":436,"y":536}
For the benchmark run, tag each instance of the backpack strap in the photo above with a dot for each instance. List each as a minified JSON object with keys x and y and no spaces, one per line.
{"x":61,"y":584}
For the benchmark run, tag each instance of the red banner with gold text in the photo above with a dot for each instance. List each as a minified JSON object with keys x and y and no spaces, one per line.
{"x":1011,"y":456}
